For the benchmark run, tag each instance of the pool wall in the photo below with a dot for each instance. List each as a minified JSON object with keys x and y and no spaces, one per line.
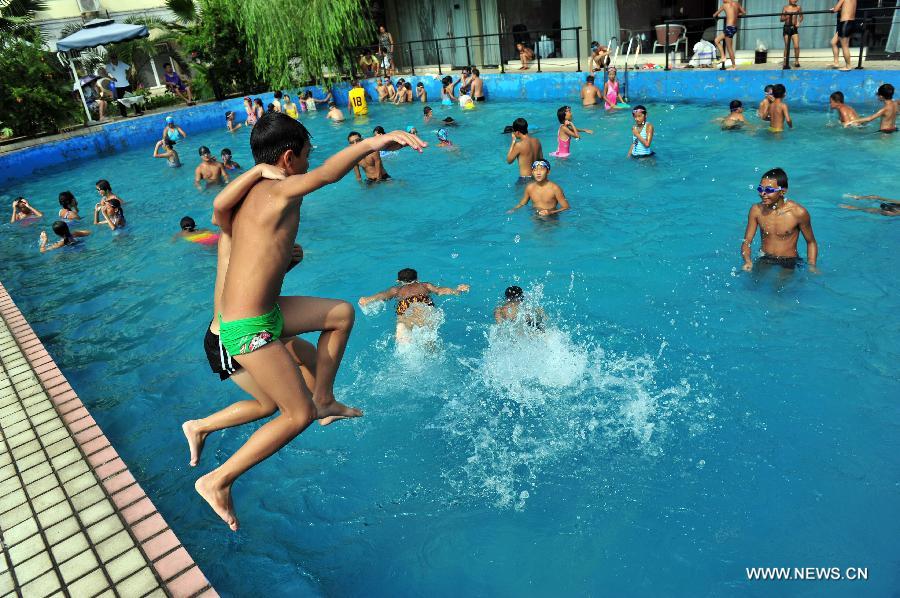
{"x":805,"y":88}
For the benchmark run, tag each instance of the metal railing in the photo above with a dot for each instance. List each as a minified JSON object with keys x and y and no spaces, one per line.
{"x":866,"y":33}
{"x":433,"y":52}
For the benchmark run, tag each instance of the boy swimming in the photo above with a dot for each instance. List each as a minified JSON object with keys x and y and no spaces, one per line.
{"x":733,"y":11}
{"x":888,"y":207}
{"x":887,"y":114}
{"x":67,"y":237}
{"x":546,"y":197}
{"x":261,"y":228}
{"x":190,"y":232}
{"x":590,"y":93}
{"x":513,"y":310}
{"x":780,"y":222}
{"x":371,"y":163}
{"x":334,"y":113}
{"x":845,"y":112}
{"x":766,"y":103}
{"x":735,"y":118}
{"x":414,"y":301}
{"x":523,"y":148}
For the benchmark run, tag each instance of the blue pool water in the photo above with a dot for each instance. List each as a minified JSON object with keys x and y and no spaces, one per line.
{"x":680,"y":421}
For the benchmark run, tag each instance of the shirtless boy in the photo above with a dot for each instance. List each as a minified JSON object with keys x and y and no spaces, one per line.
{"x":778,"y":111}
{"x":371,"y":164}
{"x":599,"y":57}
{"x":792,"y":17}
{"x":845,"y":28}
{"x":845,"y":112}
{"x":476,"y":86}
{"x":766,"y":103}
{"x":261,"y":228}
{"x":887,"y":114}
{"x":590,"y":93}
{"x":335,"y":113}
{"x":733,"y":11}
{"x":524,"y":148}
{"x":209,"y":170}
{"x":735,"y":118}
{"x":780,"y":222}
{"x":546,"y":197}
{"x":514,"y":310}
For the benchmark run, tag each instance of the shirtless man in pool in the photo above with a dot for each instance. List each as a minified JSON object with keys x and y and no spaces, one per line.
{"x":780,"y":222}
{"x":525,"y":149}
{"x":209,"y":170}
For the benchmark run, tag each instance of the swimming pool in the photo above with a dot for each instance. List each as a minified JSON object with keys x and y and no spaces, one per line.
{"x":680,"y":421}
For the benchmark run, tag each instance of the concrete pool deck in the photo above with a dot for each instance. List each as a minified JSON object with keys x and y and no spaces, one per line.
{"x":73,"y":519}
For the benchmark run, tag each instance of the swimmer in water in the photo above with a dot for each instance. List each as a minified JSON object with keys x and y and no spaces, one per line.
{"x":67,"y":237}
{"x":169,"y":153}
{"x":334,"y":113}
{"x":21,"y":210}
{"x":845,"y":112}
{"x":641,"y":134}
{"x":525,"y":149}
{"x":229,"y":164}
{"x":209,"y":170}
{"x":68,"y":209}
{"x":414,"y":301}
{"x":888,"y":112}
{"x":736,"y":118}
{"x":513,"y":310}
{"x":766,"y":103}
{"x":443,"y":138}
{"x":546,"y":197}
{"x":780,"y":222}
{"x":778,"y":111}
{"x":112,"y":213}
{"x":190,"y":232}
{"x":590,"y":93}
{"x":566,"y":132}
{"x":371,"y":163}
{"x":229,"y":122}
{"x":172,"y":131}
{"x":888,"y":207}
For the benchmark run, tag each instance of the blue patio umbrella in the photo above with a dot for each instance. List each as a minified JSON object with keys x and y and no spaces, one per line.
{"x":98,"y":32}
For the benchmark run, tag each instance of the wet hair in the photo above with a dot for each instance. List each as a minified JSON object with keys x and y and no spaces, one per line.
{"x":169,"y":143}
{"x":561,"y":114}
{"x":188,"y":224}
{"x":408,"y":85}
{"x":449,"y":121}
{"x":203,"y":151}
{"x":257,"y":102}
{"x":838,"y":97}
{"x":778,"y":91}
{"x":62,"y":229}
{"x":779,"y":175}
{"x":379,"y":130}
{"x":886,"y":91}
{"x":270,"y":108}
{"x":590,"y":79}
{"x":420,"y":84}
{"x":67,"y":200}
{"x":103,"y":185}
{"x":514,"y":293}
{"x":641,"y":108}
{"x":769,"y":88}
{"x":278,"y":94}
{"x":229,"y":114}
{"x":287,"y":98}
{"x":116,"y":204}
{"x":225,"y":152}
{"x":274,"y":134}
{"x":476,"y":72}
{"x":735,"y":105}
{"x":407,"y":275}
{"x":520,"y":125}
{"x":352,"y":134}
{"x":332,"y":105}
{"x":19,"y":200}
{"x":447,"y":80}
{"x":427,"y":110}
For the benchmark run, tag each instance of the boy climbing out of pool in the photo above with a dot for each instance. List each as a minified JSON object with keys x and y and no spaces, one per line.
{"x":209,"y":170}
{"x":845,"y":112}
{"x":261,"y":228}
{"x":887,"y":114}
{"x":733,"y":11}
{"x":590,"y":93}
{"x":524,"y":148}
{"x":778,"y":111}
{"x":67,"y":237}
{"x":21,"y":210}
{"x":735,"y":118}
{"x":641,"y":134}
{"x":792,"y":17}
{"x":546,"y":197}
{"x":371,"y":164}
{"x":513,"y":309}
{"x":414,"y":301}
{"x":780,"y":222}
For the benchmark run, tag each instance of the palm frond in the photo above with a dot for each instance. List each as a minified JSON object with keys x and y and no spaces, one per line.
{"x":184,"y":10}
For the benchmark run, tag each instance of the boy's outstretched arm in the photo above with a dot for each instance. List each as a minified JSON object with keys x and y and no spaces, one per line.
{"x":382,"y":296}
{"x":231,"y":195}
{"x":867,"y":119}
{"x":462,"y":288}
{"x":338,"y":165}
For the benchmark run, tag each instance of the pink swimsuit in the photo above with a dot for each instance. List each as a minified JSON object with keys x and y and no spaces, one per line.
{"x":612,"y":95}
{"x":562,"y":148}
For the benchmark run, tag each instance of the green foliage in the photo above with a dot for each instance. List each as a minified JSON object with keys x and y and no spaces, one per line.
{"x":16,"y":15}
{"x":153,"y":102}
{"x":35,"y":90}
{"x":315,"y":31}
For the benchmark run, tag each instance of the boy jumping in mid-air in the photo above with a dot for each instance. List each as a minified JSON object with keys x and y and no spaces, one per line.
{"x":780,"y":222}
{"x":733,"y":11}
{"x":888,"y":112}
{"x":845,"y":112}
{"x":547,"y":198}
{"x":261,"y":228}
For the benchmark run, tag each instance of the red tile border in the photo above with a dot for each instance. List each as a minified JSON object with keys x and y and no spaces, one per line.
{"x":181,"y":576}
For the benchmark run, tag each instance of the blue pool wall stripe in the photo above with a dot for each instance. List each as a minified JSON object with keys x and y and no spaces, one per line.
{"x":804,"y":89}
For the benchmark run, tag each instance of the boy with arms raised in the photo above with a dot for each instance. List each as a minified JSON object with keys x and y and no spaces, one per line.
{"x":261,"y":228}
{"x":546,"y":197}
{"x":780,"y":221}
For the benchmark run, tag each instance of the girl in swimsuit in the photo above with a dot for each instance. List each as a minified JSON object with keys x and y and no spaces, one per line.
{"x":67,"y":237}
{"x":414,"y":301}
{"x":611,"y":90}
{"x":113,"y":216}
{"x":251,"y":114}
{"x":227,"y":162}
{"x":641,"y":134}
{"x":69,"y":206}
{"x":447,"y":97}
{"x":169,"y":152}
{"x":567,"y":130}
{"x":22,"y":210}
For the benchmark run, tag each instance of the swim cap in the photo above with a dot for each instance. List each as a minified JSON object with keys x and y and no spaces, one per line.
{"x":410,"y":129}
{"x":170,"y":119}
{"x":514,"y":293}
{"x":442,"y":134}
{"x":543,"y":163}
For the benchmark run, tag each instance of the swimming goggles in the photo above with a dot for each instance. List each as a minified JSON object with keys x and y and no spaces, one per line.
{"x":543,"y":163}
{"x":768,"y":190}
{"x":639,"y":111}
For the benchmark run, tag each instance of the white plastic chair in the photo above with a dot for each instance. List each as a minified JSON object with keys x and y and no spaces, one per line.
{"x":677,"y":35}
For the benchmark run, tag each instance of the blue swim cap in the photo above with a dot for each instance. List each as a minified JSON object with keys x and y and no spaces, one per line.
{"x":543,"y":163}
{"x":170,"y":119}
{"x":442,"y":134}
{"x":410,"y":128}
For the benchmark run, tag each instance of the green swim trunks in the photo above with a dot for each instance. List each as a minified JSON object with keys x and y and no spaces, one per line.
{"x":249,"y":334}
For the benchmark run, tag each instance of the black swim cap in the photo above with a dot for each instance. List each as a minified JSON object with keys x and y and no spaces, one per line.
{"x":514,"y":293}
{"x":188,"y":224}
{"x":407,"y":275}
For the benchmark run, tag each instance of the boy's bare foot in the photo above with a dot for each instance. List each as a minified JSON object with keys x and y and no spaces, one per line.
{"x":195,"y":440}
{"x":219,"y":498}
{"x":329,"y":411}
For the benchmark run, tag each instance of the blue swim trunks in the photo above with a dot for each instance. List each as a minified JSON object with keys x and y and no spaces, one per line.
{"x":730,"y":30}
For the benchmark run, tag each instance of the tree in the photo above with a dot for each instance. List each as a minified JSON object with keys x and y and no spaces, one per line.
{"x":16,"y":16}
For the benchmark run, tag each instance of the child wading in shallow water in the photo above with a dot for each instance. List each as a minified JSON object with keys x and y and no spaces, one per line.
{"x":641,"y":134}
{"x":67,"y":237}
{"x":888,"y":112}
{"x":780,"y":222}
{"x":21,"y":210}
{"x":547,"y":198}
{"x":414,"y":301}
{"x":259,"y":225}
